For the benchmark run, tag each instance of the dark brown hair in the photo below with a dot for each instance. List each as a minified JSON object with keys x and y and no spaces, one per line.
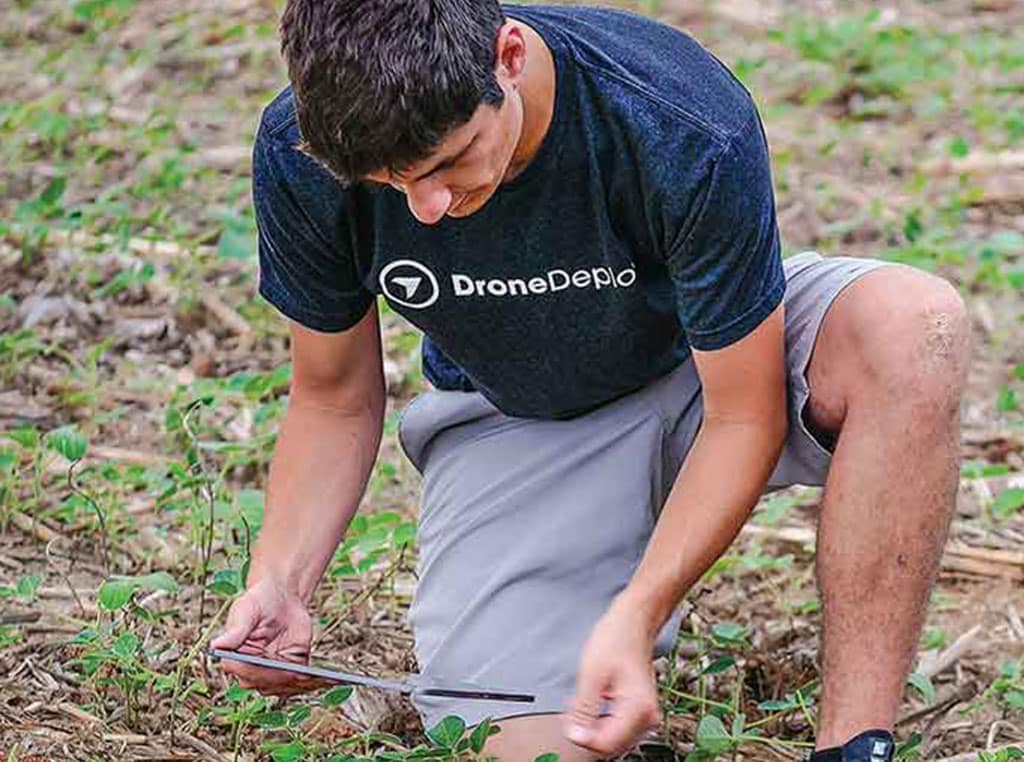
{"x":379,"y":84}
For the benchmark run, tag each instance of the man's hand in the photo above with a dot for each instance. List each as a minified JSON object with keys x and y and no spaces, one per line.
{"x":615,"y":670}
{"x":269,"y":621}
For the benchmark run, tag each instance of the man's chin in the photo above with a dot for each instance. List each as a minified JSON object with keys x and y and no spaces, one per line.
{"x":469,"y":206}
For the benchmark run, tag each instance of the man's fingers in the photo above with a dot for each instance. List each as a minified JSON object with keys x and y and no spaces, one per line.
{"x":617,"y":732}
{"x":242,"y":618}
{"x":586,"y":705}
{"x":272,"y":681}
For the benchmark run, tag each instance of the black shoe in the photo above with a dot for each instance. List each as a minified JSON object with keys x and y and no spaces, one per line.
{"x":869,"y":746}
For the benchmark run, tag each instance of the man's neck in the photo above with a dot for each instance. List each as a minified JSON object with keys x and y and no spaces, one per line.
{"x":538,"y":95}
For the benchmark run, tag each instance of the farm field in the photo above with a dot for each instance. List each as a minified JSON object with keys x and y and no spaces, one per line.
{"x":141,"y":381}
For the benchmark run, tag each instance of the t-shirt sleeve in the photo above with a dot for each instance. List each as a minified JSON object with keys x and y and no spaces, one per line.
{"x":726,"y":266}
{"x":307,"y":267}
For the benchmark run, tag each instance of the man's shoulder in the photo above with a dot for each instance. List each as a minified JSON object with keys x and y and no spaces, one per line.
{"x":278,"y":122}
{"x":649,"y":68}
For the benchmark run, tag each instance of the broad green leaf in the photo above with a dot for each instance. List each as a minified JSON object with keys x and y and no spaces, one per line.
{"x":27,"y":587}
{"x":778,"y":706}
{"x":236,"y":693}
{"x":289,"y":752}
{"x":337,"y":696}
{"x":27,"y":437}
{"x":52,"y":193}
{"x":483,"y":731}
{"x":923,"y":685}
{"x":272,"y":719}
{"x":1007,"y":400}
{"x":299,"y":715}
{"x":85,"y":636}
{"x":226,"y":582}
{"x":729,"y":632}
{"x":712,"y":736}
{"x":1008,"y":502}
{"x":69,"y":442}
{"x":549,"y":757}
{"x":160,"y":580}
{"x":405,"y":534}
{"x":739,"y":723}
{"x":721,"y":664}
{"x":115,"y":593}
{"x":126,"y":645}
{"x":448,"y":731}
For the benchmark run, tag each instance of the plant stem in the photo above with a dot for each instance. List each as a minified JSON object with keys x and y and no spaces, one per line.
{"x":96,"y":508}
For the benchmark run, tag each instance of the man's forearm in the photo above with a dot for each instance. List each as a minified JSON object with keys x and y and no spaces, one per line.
{"x":714,"y":493}
{"x":322,"y":462}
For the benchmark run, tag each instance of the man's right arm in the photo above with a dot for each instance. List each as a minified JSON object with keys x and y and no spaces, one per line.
{"x":325,"y":452}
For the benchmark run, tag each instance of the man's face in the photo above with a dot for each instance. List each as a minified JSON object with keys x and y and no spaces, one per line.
{"x":466,"y":169}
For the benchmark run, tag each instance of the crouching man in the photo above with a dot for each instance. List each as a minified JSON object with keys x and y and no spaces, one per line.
{"x":576,"y":208}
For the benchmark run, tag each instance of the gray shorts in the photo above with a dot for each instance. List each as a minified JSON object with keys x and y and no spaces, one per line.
{"x":528,"y":528}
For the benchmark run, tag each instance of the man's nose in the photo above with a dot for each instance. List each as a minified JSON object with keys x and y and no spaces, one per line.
{"x":428,"y":201}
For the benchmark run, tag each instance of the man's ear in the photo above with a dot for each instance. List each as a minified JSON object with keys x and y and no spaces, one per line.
{"x":510,"y":54}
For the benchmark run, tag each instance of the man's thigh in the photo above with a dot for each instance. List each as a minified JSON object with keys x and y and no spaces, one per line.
{"x":527,"y":531}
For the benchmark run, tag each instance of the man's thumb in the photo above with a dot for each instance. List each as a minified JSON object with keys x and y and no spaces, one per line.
{"x":586,"y":707}
{"x":242,"y":618}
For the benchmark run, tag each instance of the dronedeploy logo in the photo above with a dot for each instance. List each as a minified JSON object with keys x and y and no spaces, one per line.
{"x":411,"y":284}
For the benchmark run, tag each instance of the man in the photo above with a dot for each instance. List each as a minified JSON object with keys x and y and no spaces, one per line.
{"x":575,"y":206}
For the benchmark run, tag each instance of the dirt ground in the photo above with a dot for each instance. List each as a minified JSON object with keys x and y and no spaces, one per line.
{"x":129,"y":326}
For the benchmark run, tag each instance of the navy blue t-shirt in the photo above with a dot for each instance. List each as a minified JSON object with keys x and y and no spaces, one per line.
{"x":644,"y":226}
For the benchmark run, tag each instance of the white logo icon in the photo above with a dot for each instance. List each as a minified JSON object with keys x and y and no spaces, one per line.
{"x":411,"y":285}
{"x":406,"y":277}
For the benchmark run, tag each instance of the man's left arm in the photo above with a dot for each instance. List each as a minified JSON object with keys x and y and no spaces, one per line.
{"x":725,"y":472}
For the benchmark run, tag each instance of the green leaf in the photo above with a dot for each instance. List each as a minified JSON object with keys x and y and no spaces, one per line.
{"x":238,"y":239}
{"x":226,"y":582}
{"x":483,"y":731}
{"x":729,"y":632}
{"x":299,"y":715}
{"x":739,"y":722}
{"x":115,"y":593}
{"x":448,"y":731}
{"x":721,"y":664}
{"x":405,"y":534}
{"x":27,"y":587}
{"x":1007,"y":401}
{"x":959,"y":147}
{"x":778,"y":706}
{"x":1008,"y":503}
{"x":85,"y":636}
{"x":289,"y":752}
{"x":53,"y":192}
{"x":712,"y":736}
{"x":337,"y":696}
{"x":923,"y":685}
{"x":909,"y":748}
{"x":160,"y":580}
{"x":26,"y":436}
{"x":69,"y":442}
{"x":127,"y":645}
{"x":270,"y":720}
{"x":549,"y":757}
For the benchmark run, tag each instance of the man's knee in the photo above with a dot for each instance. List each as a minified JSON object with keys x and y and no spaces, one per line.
{"x":908,"y":340}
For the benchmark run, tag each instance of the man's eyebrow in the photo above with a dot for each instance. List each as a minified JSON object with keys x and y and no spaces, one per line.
{"x":446,"y":161}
